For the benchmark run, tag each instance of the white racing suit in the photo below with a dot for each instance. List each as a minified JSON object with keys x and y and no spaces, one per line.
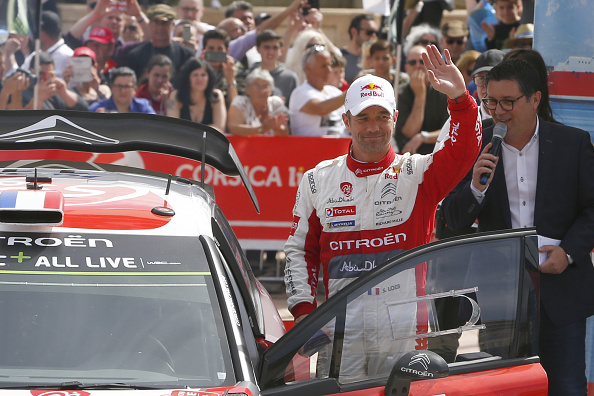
{"x":350,"y":217}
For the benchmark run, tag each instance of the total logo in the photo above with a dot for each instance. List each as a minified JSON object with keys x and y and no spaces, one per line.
{"x":341,"y":211}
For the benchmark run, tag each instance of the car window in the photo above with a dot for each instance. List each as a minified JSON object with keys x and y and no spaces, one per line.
{"x":133,"y":309}
{"x":465,"y":301}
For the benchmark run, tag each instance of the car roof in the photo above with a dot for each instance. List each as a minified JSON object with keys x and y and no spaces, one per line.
{"x":105,"y":201}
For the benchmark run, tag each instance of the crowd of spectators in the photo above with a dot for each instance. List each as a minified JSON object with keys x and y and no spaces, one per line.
{"x":242,"y":76}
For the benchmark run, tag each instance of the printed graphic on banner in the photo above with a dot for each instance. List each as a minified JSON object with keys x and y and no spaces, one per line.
{"x":557,"y":24}
{"x":275,"y":178}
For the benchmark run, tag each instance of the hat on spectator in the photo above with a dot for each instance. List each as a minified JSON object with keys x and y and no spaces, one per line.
{"x":524,"y":34}
{"x":161,"y":12}
{"x":51,"y":23}
{"x":454,"y":28}
{"x":85,"y":51}
{"x":101,"y":35}
{"x":369,"y":91}
{"x":525,"y":31}
{"x":487,"y":61}
{"x":261,"y":17}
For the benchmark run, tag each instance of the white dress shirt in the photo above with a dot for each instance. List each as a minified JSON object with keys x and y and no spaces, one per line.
{"x":61,"y":54}
{"x":521,"y":170}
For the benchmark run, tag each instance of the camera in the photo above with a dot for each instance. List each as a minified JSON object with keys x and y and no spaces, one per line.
{"x":27,"y":73}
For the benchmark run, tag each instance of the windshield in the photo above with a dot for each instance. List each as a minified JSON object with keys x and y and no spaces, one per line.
{"x":109,"y":309}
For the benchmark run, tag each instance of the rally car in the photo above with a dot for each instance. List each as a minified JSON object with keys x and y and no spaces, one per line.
{"x":116,"y":280}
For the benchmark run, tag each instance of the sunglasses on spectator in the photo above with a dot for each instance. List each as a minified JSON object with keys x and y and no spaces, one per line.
{"x":413,"y":62}
{"x":369,"y":32}
{"x":131,"y":27}
{"x":426,"y":42}
{"x":315,"y":47}
{"x":451,"y":41}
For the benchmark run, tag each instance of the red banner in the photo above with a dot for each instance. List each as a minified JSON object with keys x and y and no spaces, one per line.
{"x":274,"y":166}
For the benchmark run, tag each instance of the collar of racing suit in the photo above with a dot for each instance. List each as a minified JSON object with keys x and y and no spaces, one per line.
{"x":362,"y":169}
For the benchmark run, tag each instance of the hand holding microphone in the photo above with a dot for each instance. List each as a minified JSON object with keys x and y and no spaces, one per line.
{"x":486,"y":160}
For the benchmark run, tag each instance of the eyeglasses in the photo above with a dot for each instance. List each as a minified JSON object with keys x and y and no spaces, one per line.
{"x":506,"y":104}
{"x":451,"y":41}
{"x":413,"y":62}
{"x":479,"y":81}
{"x":426,"y":42}
{"x":121,"y":86}
{"x":131,"y":27}
{"x":369,"y":32}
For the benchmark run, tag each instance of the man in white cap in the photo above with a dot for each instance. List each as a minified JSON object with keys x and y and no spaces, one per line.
{"x":354,"y":212}
{"x":371,"y":204}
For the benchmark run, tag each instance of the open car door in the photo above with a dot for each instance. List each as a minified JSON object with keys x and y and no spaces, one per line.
{"x":455,"y":317}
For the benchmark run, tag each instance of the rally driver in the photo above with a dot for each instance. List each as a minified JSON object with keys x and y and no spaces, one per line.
{"x":354,"y":212}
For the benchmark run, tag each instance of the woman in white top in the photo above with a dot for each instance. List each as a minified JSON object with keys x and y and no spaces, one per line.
{"x":258,"y":112}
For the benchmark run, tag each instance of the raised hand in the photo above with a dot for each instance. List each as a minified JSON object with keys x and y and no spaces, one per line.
{"x":443,"y":75}
{"x":485,"y":163}
{"x":489,"y":29}
{"x":418,"y":82}
{"x":133,"y":9}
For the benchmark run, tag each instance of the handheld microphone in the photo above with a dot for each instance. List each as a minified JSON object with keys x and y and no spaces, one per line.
{"x":499,"y":132}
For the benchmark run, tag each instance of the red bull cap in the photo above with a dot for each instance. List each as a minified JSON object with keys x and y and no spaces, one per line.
{"x":369,"y":91}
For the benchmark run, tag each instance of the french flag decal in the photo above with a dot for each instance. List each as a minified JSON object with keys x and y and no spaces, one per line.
{"x":34,"y":206}
{"x":373,"y":292}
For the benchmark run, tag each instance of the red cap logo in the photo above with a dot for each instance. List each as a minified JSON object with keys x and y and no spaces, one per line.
{"x":371,"y":87}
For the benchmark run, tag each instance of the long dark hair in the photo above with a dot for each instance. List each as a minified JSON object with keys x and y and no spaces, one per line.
{"x":184,"y":89}
{"x":534,"y":58}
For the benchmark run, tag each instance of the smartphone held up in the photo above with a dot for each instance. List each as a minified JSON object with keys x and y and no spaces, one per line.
{"x":81,"y":69}
{"x":215,"y":56}
{"x":118,"y":5}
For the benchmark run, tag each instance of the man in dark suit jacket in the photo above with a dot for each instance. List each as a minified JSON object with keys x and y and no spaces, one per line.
{"x":544,"y":178}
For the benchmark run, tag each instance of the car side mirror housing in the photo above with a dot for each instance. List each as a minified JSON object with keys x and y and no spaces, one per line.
{"x":414,"y":365}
